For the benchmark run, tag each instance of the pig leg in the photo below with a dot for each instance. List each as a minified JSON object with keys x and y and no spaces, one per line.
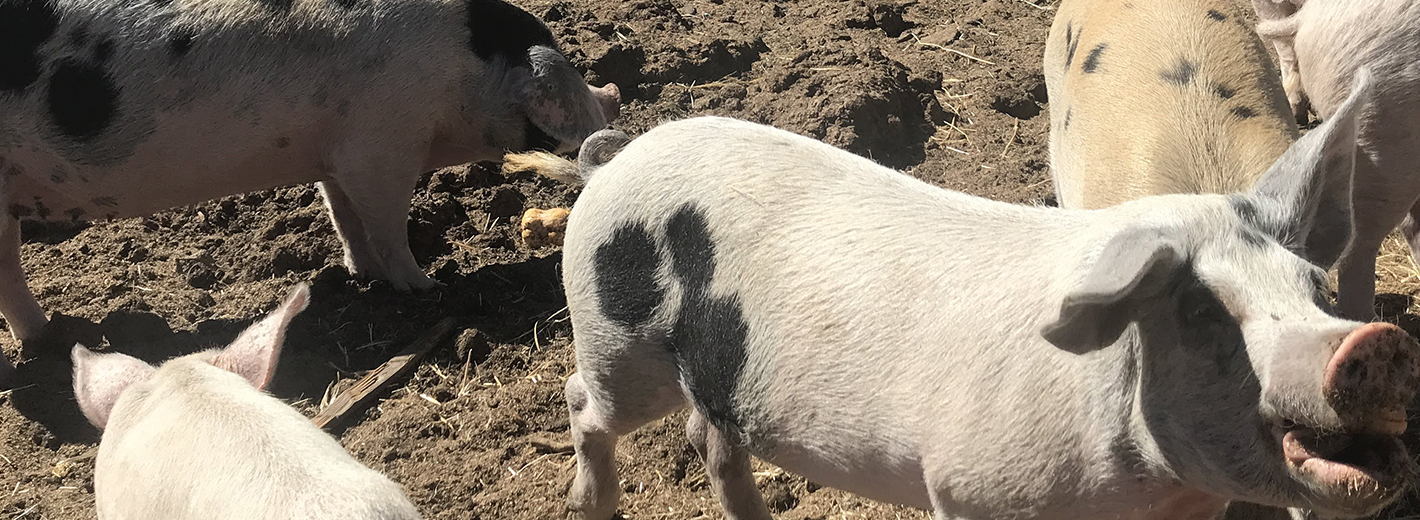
{"x":1377,"y":211}
{"x":727,"y":464}
{"x":17,"y":303}
{"x":615,"y":390}
{"x":377,"y":190}
{"x":360,"y":259}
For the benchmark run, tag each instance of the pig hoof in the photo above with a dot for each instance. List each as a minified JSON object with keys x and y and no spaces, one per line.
{"x":541,"y":228}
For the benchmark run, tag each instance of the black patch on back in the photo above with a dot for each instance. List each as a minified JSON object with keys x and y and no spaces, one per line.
{"x":1182,"y":72}
{"x":83,"y":100}
{"x":24,"y":26}
{"x":536,"y":139}
{"x":180,"y":41}
{"x":103,"y":50}
{"x":710,"y":332}
{"x":1223,"y":91}
{"x":497,"y":28}
{"x":627,"y":287}
{"x":1092,"y":61}
{"x":1244,"y":112}
{"x":1214,"y":14}
{"x":1072,"y":42}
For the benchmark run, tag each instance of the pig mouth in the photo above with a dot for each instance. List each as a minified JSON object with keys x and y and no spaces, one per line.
{"x":1358,"y":466}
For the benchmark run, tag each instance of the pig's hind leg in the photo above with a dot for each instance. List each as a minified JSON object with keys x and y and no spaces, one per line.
{"x":622,"y":383}
{"x":728,"y":466}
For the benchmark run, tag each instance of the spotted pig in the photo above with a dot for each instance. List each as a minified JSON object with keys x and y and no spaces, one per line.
{"x":196,"y":438}
{"x":113,"y":109}
{"x":991,"y":361}
{"x":1331,"y":40}
{"x":1149,"y":97}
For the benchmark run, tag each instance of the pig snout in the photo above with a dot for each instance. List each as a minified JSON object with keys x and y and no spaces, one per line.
{"x":1372,"y":377}
{"x":609,"y":98}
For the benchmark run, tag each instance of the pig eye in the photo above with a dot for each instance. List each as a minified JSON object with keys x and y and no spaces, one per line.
{"x":1198,"y":307}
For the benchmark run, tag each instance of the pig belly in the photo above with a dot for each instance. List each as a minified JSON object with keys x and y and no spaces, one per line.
{"x":47,"y":190}
{"x":867,"y":466}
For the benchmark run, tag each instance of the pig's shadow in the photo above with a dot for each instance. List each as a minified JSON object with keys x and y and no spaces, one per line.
{"x":350,"y":327}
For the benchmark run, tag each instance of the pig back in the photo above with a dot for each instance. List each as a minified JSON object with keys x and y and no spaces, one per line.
{"x":199,"y":442}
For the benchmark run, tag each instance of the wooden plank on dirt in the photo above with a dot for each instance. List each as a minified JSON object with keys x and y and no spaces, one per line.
{"x":356,"y":398}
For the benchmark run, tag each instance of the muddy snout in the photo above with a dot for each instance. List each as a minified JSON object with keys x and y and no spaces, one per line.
{"x":1372,"y":377}
{"x":609,"y":99}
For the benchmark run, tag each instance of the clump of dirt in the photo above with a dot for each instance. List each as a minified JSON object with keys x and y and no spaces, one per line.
{"x":950,"y":92}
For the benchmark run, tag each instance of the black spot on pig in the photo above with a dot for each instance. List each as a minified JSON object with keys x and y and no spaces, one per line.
{"x":104,"y":202}
{"x":180,"y":41}
{"x":79,"y":35}
{"x":710,"y":334}
{"x":1214,"y":14}
{"x":83,"y":100}
{"x":1244,"y":112}
{"x":24,"y":26}
{"x":1072,"y":42}
{"x":1182,"y":72}
{"x":534,"y":138}
{"x":1223,"y":91}
{"x":1092,"y":61}
{"x":1252,"y":236}
{"x":497,"y":28}
{"x":21,"y":210}
{"x":627,"y":287}
{"x":103,"y":50}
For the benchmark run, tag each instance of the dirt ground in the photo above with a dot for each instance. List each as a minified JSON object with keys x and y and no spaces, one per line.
{"x":949,"y":91}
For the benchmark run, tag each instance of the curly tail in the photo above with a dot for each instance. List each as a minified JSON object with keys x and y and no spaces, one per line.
{"x":597,"y":150}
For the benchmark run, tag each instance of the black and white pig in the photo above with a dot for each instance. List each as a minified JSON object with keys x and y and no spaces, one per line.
{"x":112,"y":109}
{"x":978,"y":359}
{"x":196,"y":439}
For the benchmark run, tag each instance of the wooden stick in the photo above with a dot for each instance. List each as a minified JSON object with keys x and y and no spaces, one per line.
{"x":357,"y":397}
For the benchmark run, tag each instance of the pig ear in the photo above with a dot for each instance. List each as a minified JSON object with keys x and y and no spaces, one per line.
{"x":100,"y":378}
{"x":1135,"y":263}
{"x":253,"y":355}
{"x":1304,"y":199}
{"x":558,"y":101}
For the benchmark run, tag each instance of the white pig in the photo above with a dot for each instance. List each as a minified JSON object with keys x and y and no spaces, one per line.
{"x":981,"y":360}
{"x":196,"y":438}
{"x":1331,"y":40}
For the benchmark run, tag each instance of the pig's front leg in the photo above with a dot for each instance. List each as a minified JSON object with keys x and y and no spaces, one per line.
{"x":368,"y":198}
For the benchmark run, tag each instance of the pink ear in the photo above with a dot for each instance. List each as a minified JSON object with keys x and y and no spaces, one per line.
{"x":99,"y":379}
{"x":253,"y":355}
